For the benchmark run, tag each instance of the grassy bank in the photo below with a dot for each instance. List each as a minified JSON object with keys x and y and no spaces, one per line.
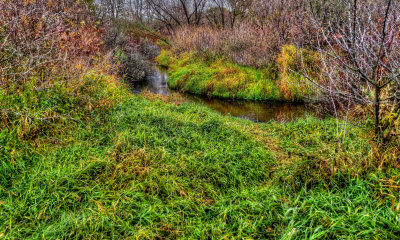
{"x":219,"y":77}
{"x":146,"y":167}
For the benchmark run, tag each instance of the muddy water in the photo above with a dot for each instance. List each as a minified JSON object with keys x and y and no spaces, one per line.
{"x":157,"y":83}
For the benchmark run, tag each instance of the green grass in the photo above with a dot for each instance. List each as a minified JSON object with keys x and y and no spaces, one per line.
{"x":219,"y":78}
{"x":146,"y":169}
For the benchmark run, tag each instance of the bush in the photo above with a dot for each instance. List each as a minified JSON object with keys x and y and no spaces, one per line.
{"x":148,"y":49}
{"x":164,"y":59}
{"x":132,"y":66}
{"x":132,"y":48}
{"x":38,"y":39}
{"x":292,"y":62}
{"x":135,"y":59}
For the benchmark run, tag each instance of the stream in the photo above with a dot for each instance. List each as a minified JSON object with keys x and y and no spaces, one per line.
{"x":257,"y":111}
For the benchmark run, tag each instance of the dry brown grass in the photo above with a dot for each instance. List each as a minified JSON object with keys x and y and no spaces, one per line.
{"x":243,"y":44}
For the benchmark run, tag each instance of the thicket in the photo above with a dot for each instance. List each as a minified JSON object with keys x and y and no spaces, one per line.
{"x":62,"y":47}
{"x":39,"y":39}
{"x":49,"y":56}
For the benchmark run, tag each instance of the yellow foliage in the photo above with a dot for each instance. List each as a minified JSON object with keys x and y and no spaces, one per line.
{"x":293,"y":59}
{"x":293,"y":63}
{"x":286,"y":59}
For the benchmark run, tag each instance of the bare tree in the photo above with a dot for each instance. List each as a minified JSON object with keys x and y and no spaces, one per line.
{"x":237,"y":10}
{"x":178,"y":12}
{"x":359,"y":45}
{"x":111,"y":8}
{"x":280,"y":21}
{"x":139,"y":10}
{"x":223,"y":13}
{"x":216,"y":13}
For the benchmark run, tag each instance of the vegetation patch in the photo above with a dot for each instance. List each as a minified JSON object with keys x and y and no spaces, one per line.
{"x":220,"y":78}
{"x":155,"y":167}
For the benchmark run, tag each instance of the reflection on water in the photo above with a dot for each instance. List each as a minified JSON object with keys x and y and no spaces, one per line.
{"x":257,"y":111}
{"x":156,"y":82}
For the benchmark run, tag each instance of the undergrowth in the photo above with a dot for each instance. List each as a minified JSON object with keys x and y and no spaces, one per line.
{"x":115,"y":166}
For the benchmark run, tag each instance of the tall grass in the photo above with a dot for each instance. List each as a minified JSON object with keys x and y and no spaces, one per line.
{"x":140,"y":168}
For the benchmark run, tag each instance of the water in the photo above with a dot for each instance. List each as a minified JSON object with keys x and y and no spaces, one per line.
{"x":156,"y":82}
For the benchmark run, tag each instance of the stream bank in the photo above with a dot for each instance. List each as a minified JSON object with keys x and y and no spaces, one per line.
{"x":258,"y":111}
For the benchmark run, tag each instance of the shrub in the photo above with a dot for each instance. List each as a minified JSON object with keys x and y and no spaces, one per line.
{"x":148,"y":49}
{"x":132,"y":66}
{"x":164,"y":59}
{"x":39,"y":38}
{"x":134,"y":58}
{"x":291,"y":63}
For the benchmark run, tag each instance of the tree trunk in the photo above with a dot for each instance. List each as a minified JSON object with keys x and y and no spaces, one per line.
{"x":377,"y":110}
